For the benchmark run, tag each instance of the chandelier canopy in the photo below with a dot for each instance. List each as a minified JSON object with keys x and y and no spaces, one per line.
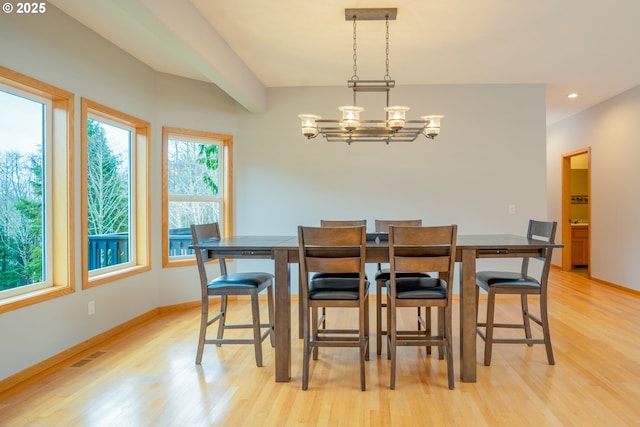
{"x":395,"y":127}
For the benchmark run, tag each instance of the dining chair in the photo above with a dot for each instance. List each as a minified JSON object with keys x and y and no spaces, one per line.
{"x":521,"y":283}
{"x":342,"y":223}
{"x":414,"y":250}
{"x":236,"y":284}
{"x":382,"y":275}
{"x":333,"y":250}
{"x":337,"y":223}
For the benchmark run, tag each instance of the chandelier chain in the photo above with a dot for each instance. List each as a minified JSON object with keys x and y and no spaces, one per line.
{"x":355,"y":52}
{"x":387,"y":76}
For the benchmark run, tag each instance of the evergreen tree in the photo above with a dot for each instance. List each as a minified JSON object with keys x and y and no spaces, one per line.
{"x":194,"y":171}
{"x":107,"y":190}
{"x":21,"y":220}
{"x":209,"y":158}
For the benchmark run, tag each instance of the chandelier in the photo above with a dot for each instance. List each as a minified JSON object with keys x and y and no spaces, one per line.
{"x":395,"y":127}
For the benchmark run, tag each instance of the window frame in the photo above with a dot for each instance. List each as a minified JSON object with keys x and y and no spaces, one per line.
{"x":226,"y":145}
{"x":61,"y":233}
{"x":131,"y":190}
{"x":141,"y":221}
{"x":47,"y":165}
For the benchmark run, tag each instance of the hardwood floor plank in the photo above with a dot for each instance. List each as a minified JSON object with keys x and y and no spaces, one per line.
{"x":147,"y":376}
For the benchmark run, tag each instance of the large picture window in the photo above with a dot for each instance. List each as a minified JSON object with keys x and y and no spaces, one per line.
{"x":115,"y":194}
{"x":36,"y":233}
{"x":25,"y":132}
{"x":110,"y":204}
{"x":197,"y":183}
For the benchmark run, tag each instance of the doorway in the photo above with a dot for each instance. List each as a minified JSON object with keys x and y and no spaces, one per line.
{"x":576,"y":211}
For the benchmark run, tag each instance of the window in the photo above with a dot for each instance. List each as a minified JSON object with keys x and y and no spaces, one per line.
{"x":196,"y":168}
{"x":36,"y":257}
{"x":24,"y":215}
{"x":115,"y":194}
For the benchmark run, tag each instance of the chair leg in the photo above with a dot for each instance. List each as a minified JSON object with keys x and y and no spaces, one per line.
{"x":427,"y":321}
{"x":271,"y":311}
{"x":392,"y":334}
{"x":223,"y":317}
{"x":314,"y":329}
{"x":477,"y":303}
{"x":544,"y":317}
{"x":300,"y":309}
{"x":442,"y":324}
{"x":525,"y":317}
{"x":363,"y":385}
{"x":204,"y":318}
{"x":388,"y":340}
{"x":306,"y":353}
{"x":449,"y":349}
{"x":255,"y":314}
{"x":477,"y":309}
{"x":324,"y":317}
{"x":379,"y":306}
{"x":488,"y":342}
{"x":366,"y":328}
{"x":363,"y":334}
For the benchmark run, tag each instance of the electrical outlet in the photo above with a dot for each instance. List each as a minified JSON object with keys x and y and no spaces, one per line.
{"x":91,"y":307}
{"x":512,"y":209}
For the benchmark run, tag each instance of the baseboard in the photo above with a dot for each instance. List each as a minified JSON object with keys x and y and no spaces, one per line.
{"x":39,"y":370}
{"x":621,"y":288}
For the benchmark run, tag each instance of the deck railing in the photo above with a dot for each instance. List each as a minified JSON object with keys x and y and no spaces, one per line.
{"x":112,"y":249}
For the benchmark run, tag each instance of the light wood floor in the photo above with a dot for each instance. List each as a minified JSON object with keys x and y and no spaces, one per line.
{"x":147,"y":377}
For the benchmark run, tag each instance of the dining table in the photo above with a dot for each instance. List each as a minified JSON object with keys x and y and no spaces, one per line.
{"x":283,"y":250}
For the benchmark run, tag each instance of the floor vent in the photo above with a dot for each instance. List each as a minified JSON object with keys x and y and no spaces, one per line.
{"x":81,"y":363}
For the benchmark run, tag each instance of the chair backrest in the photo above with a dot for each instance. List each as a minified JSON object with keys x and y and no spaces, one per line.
{"x":202,"y":233}
{"x":382,"y":225}
{"x":331,"y":250}
{"x":545,"y":231}
{"x":423,"y":249}
{"x":342,"y":223}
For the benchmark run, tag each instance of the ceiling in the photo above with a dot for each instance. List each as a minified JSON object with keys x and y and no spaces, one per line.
{"x":246,"y":46}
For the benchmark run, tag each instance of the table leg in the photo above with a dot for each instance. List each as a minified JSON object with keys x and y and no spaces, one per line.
{"x":282,"y":316}
{"x":468,"y":316}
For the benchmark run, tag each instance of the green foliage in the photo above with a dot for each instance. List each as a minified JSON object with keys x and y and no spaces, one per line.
{"x":31,"y":212}
{"x":208,"y":156}
{"x":21,"y":221}
{"x":107,"y":188}
{"x":193,"y":176}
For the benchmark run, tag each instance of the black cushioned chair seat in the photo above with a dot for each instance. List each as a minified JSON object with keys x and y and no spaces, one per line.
{"x":418,"y":287}
{"x":486,"y":279}
{"x":240,"y":280}
{"x":336,"y":288}
{"x":329,"y":275}
{"x":385,"y":274}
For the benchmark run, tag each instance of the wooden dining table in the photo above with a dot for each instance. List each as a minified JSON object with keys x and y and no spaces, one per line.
{"x":283,"y":250}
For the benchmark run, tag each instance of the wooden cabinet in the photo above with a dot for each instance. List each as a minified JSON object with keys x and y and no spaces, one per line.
{"x":579,"y":245}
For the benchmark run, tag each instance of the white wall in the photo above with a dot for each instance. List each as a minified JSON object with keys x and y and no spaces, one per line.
{"x":491,"y":153}
{"x":611,"y":129}
{"x":57,"y":50}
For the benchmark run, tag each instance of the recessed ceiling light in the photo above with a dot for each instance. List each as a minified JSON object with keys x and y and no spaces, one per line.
{"x":572,"y":95}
